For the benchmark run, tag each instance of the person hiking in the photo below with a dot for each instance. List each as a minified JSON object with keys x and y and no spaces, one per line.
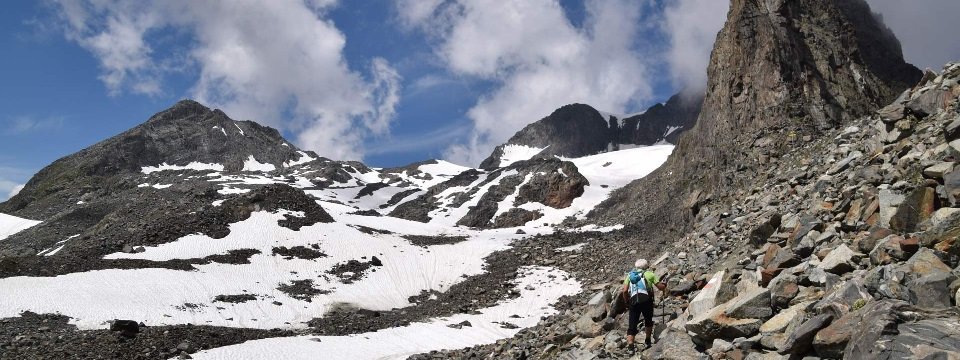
{"x":638,"y":293}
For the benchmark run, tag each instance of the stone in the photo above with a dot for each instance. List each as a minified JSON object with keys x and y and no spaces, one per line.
{"x":801,"y":339}
{"x":673,"y":344}
{"x":760,"y":234}
{"x":785,"y":320}
{"x":126,"y":328}
{"x":842,"y":298}
{"x":783,"y":288}
{"x":889,"y":201}
{"x":951,"y":182}
{"x":706,"y":299}
{"x":924,"y":262}
{"x":752,"y":304}
{"x":832,"y":340}
{"x":884,"y":337}
{"x":822,"y":278}
{"x":839,"y":261}
{"x":714,"y":324}
{"x":777,"y":257}
{"x":937,"y":171}
{"x":893,"y":248}
{"x":952,"y":130}
{"x":806,"y":225}
{"x":932,"y":291}
{"x":915,"y":209}
{"x":843,"y":164}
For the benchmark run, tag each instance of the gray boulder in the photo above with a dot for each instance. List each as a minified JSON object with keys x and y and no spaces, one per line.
{"x":843,"y":298}
{"x":801,"y":339}
{"x":752,"y":304}
{"x":840,"y":260}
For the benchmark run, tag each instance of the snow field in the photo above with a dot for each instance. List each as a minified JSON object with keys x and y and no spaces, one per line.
{"x":538,"y":291}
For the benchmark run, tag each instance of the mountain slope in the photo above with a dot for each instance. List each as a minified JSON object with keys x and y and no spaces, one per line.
{"x":577,"y":130}
{"x":187,"y":133}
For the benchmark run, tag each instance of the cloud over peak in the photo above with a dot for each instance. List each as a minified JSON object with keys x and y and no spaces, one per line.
{"x":279,"y":62}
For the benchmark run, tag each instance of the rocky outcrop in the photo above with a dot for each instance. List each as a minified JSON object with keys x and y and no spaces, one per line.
{"x":780,"y":72}
{"x":577,"y":130}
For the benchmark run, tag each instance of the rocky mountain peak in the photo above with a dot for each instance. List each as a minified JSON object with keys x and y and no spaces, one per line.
{"x":804,"y":65}
{"x":780,"y":72}
{"x":188,"y":132}
{"x":577,"y":130}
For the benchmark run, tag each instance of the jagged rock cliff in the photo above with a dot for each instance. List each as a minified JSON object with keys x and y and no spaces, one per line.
{"x":787,"y":69}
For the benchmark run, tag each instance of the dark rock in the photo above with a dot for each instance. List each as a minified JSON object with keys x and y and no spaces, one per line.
{"x":126,"y":328}
{"x":801,"y":339}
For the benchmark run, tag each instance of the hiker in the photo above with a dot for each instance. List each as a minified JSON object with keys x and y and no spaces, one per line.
{"x":638,"y":293}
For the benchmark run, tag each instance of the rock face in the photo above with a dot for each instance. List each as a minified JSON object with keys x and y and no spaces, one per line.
{"x":577,"y":130}
{"x":802,"y":66}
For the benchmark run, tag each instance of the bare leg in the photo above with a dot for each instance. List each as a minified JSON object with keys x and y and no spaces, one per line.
{"x":629,"y":340}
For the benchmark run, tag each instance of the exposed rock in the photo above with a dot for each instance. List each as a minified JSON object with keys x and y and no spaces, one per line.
{"x":752,"y":304}
{"x":800,"y":340}
{"x":841,"y":299}
{"x":840,"y":260}
{"x":715,"y":324}
{"x":783,"y":289}
{"x":914,"y":210}
{"x":706,"y":299}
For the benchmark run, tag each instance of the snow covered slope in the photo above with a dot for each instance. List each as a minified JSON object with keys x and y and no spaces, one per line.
{"x":10,"y":225}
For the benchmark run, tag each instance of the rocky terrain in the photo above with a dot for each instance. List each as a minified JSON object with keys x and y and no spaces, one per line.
{"x":810,"y":210}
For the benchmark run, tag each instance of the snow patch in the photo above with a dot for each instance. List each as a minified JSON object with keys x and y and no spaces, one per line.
{"x":199,"y":166}
{"x":10,"y":225}
{"x":513,"y":153}
{"x":304,"y":158}
{"x":538,"y":291}
{"x":251,"y":164}
{"x":576,"y":247}
{"x":238,"y":128}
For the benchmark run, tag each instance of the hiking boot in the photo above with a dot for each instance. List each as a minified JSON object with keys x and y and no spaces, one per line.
{"x":648,"y":343}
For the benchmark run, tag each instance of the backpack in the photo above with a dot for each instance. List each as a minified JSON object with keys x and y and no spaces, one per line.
{"x":639,"y":289}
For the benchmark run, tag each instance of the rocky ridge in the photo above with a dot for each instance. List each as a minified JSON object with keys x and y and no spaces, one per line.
{"x":577,"y":130}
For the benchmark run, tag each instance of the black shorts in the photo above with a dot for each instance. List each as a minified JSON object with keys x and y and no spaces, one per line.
{"x":646,"y":309}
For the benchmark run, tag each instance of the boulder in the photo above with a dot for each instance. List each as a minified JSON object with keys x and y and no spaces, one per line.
{"x":715,"y":324}
{"x":831,"y":340}
{"x":752,"y":304}
{"x":800,"y":340}
{"x":876,"y":320}
{"x":785,"y":320}
{"x":923,"y":263}
{"x":885,"y":337}
{"x":760,"y":234}
{"x":915,"y":209}
{"x":893,"y":248}
{"x":777,"y":257}
{"x":938,"y":170}
{"x":706,"y":299}
{"x":673,"y":345}
{"x":839,"y":261}
{"x":821,"y":278}
{"x":951,"y":182}
{"x":783,"y":288}
{"x":841,"y":299}
{"x":126,"y":328}
{"x":889,"y":201}
{"x":932,"y":291}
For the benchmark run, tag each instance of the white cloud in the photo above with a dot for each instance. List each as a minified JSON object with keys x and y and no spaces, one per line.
{"x":692,"y":27}
{"x":24,"y":124}
{"x":277,"y":62}
{"x":14,"y":189}
{"x":537,"y":59}
{"x":925,"y":28}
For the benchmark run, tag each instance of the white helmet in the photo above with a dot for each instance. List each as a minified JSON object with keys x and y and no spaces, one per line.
{"x":641,"y":264}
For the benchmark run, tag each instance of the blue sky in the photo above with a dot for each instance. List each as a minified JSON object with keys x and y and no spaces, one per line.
{"x":386,"y":81}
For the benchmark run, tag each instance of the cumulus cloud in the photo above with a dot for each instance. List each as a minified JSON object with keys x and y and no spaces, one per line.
{"x":537,"y":59}
{"x":14,"y":189}
{"x":691,"y":27}
{"x":277,"y":62}
{"x":924,"y":29}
